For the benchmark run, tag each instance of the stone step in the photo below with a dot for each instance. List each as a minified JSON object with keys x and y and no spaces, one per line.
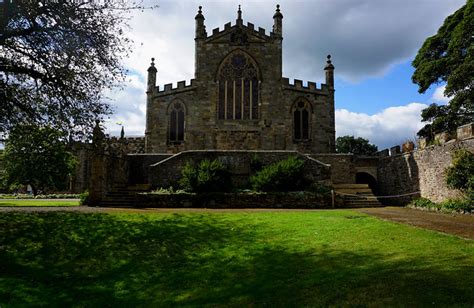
{"x":350,"y":186}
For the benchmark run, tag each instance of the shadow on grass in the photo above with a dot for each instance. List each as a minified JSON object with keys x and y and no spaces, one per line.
{"x":107,"y":260}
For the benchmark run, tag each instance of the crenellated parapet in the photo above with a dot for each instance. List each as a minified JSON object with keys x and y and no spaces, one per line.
{"x":297,"y":85}
{"x":125,"y":145}
{"x":180,"y":87}
{"x":249,"y":28}
{"x":464,"y":132}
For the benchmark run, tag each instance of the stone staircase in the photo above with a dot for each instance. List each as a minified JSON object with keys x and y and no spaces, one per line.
{"x":123,"y":196}
{"x":360,"y":195}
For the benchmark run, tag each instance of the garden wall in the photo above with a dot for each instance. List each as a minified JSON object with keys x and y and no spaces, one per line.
{"x":294,"y":200}
{"x":167,"y":172}
{"x":422,"y":170}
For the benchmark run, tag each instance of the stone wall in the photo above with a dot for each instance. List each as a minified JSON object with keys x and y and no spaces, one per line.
{"x":127,"y":144}
{"x":344,"y":167}
{"x":272,"y":130}
{"x":168,"y":171}
{"x":293,"y":200}
{"x":423,"y":170}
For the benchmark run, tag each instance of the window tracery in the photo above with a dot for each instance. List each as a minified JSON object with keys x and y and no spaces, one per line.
{"x":238,"y":88}
{"x":301,"y":121}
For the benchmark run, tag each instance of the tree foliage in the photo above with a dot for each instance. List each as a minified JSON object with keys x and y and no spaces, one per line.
{"x":56,"y":59}
{"x":38,"y":156}
{"x":359,"y":146}
{"x":461,"y":174}
{"x":284,"y":175}
{"x":207,"y":176}
{"x":448,"y":57}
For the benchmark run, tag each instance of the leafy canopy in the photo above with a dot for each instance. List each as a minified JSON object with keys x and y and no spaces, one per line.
{"x":56,"y":59}
{"x":461,"y":174}
{"x":38,"y":156}
{"x":359,"y":146}
{"x":448,"y":57}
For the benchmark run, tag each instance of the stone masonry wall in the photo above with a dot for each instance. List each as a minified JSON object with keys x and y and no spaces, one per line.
{"x":272,"y":130}
{"x":167,"y":172}
{"x":420,"y":170}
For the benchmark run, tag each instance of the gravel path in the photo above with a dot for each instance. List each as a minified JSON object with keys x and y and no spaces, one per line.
{"x":457,"y":224}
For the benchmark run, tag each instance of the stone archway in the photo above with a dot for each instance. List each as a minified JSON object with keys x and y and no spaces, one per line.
{"x":366,"y":178}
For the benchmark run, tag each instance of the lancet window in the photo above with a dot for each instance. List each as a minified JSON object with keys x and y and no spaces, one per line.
{"x":176,"y":123}
{"x":238,"y":88}
{"x":301,"y":121}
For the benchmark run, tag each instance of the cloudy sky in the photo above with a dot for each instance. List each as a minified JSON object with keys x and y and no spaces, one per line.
{"x":372,"y":43}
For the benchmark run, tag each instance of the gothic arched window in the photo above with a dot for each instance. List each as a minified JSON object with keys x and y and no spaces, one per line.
{"x":238,"y":88}
{"x":301,"y":120}
{"x":176,"y":123}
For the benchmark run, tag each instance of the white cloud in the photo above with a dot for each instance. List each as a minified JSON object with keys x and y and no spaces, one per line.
{"x":366,"y":39}
{"x":130,"y":106}
{"x":392,"y":126}
{"x":439,"y":97}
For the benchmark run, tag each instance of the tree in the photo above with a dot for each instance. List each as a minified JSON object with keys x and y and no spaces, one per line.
{"x":359,"y":146}
{"x":448,"y":57}
{"x":461,"y":174}
{"x":56,"y":59}
{"x":38,"y":156}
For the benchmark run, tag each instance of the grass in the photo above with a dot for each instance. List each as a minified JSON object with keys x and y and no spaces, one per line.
{"x":38,"y":202}
{"x":313,"y":258}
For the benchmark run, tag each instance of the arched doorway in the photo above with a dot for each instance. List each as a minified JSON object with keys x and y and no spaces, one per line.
{"x":366,"y":178}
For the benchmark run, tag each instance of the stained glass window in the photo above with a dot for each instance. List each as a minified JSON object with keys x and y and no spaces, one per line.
{"x":238,"y":88}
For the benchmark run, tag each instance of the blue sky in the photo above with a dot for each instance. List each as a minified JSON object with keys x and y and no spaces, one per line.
{"x":372,"y":43}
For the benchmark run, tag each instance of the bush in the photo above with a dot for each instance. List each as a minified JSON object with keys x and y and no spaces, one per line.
{"x":207,"y":176}
{"x":450,"y":205}
{"x":424,"y":203}
{"x":285,"y":175}
{"x":84,"y":198}
{"x":461,"y":174}
{"x":458,"y":205}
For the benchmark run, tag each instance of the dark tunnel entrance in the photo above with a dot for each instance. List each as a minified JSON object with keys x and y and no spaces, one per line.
{"x":365,"y":178}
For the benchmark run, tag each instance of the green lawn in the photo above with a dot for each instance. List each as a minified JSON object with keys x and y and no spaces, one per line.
{"x":38,"y":202}
{"x":295,"y":258}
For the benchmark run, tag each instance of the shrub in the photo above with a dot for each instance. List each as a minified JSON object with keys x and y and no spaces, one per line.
{"x":461,"y":174}
{"x":424,"y":203}
{"x":207,"y":176}
{"x":458,"y":205}
{"x":84,"y":198}
{"x":285,"y":175}
{"x":450,"y":205}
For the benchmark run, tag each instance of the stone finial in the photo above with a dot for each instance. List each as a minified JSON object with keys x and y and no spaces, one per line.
{"x":239,"y":16}
{"x":329,"y":63}
{"x":200,"y":27}
{"x":278,"y":22}
{"x":152,"y":67}
{"x":329,"y":68}
{"x":277,"y":14}
{"x":199,"y":13}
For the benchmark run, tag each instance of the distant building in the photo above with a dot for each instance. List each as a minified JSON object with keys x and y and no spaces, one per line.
{"x":239,"y":99}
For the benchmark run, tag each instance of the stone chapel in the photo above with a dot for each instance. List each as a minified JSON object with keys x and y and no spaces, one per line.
{"x":238,"y":99}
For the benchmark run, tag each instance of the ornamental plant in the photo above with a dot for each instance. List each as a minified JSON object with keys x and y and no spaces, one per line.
{"x":285,"y":175}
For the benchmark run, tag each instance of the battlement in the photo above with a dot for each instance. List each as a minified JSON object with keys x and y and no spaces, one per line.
{"x":298,"y":85}
{"x":180,"y":86}
{"x":250,"y":26}
{"x":115,"y":139}
{"x":463,"y":132}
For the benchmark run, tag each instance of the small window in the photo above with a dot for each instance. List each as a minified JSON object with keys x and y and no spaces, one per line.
{"x":176,"y":123}
{"x":301,"y":121}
